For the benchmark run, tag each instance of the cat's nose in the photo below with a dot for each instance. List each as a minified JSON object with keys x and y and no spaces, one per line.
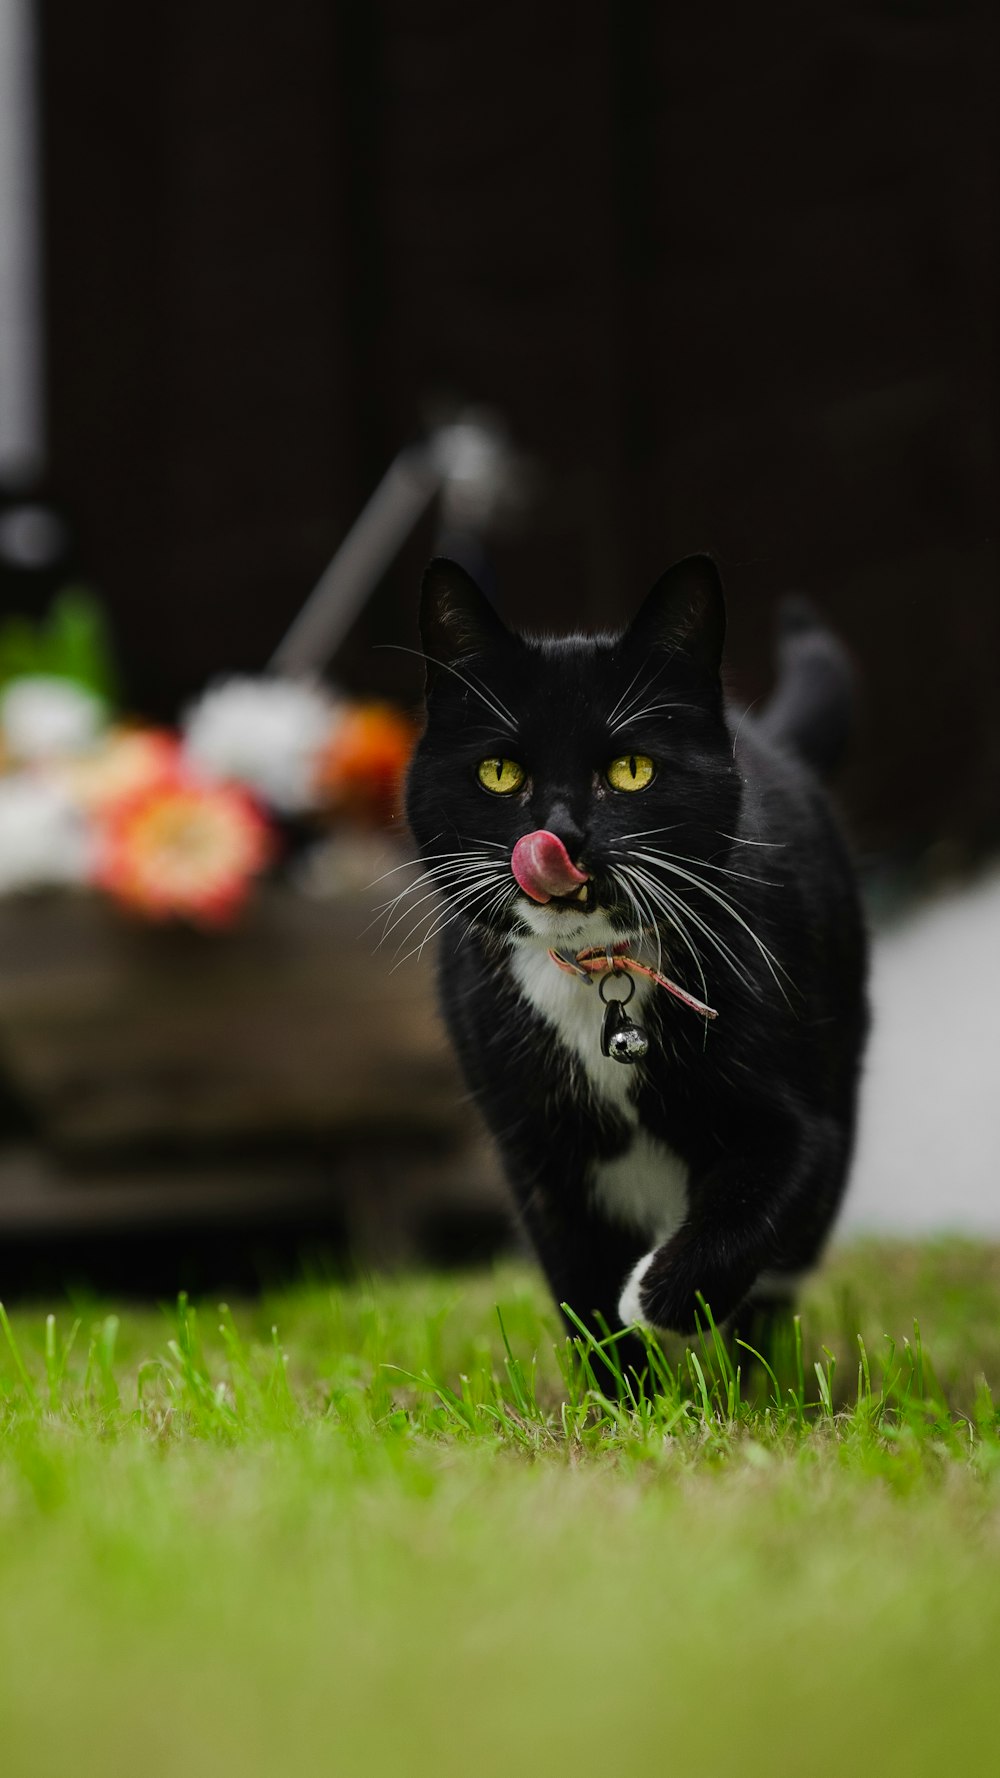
{"x":559,"y":819}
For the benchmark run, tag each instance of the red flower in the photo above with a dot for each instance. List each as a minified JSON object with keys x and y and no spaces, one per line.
{"x":181,"y":848}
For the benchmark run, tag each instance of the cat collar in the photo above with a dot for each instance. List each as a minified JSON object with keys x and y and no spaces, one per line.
{"x":599,"y":959}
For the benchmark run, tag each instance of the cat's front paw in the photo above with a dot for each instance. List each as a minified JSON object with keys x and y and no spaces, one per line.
{"x":630,"y":1310}
{"x":677,"y":1286}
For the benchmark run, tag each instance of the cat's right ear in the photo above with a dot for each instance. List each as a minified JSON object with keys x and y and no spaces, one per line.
{"x":457,"y":621}
{"x":685,"y":612}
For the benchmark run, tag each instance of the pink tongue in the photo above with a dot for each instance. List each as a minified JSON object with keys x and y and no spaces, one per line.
{"x":543,"y":866}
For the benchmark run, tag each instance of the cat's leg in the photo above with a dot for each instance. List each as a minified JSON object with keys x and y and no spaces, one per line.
{"x":729,"y":1240}
{"x":584,"y":1258}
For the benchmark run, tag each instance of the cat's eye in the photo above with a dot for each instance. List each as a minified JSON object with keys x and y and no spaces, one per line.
{"x":502,"y":776}
{"x":633,"y":771}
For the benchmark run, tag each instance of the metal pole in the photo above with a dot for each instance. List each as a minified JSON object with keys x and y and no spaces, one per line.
{"x":382,"y":527}
{"x":22,"y":433}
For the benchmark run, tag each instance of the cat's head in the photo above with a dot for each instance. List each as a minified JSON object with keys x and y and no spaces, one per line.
{"x":563,"y":787}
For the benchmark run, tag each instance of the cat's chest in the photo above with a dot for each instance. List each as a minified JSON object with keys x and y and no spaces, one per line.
{"x":574,"y":1012}
{"x":644,"y":1186}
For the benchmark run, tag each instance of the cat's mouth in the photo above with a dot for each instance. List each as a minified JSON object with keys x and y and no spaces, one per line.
{"x":581,"y":897}
{"x":585,"y":900}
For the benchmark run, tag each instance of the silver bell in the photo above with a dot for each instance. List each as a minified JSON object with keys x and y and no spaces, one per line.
{"x":629,"y":1043}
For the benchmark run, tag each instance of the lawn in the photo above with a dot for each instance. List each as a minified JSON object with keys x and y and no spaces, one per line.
{"x":381,"y":1528}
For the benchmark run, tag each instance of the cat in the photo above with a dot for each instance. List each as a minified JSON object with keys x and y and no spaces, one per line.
{"x":599,"y":826}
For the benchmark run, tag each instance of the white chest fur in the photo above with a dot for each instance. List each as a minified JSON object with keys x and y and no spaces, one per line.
{"x":645,"y":1187}
{"x":575,"y":1011}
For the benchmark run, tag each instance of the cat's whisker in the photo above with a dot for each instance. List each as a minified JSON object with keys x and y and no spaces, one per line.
{"x":435,"y":895}
{"x":648,"y":925}
{"x":622,"y":712}
{"x":503,"y":897}
{"x":639,"y":694}
{"x":461,"y":906}
{"x":433,"y":873}
{"x":674,"y":917}
{"x":446,"y":877}
{"x":646,"y":832}
{"x":726,"y":905}
{"x":737,"y":839}
{"x":666,"y":860}
{"x":449,"y":861}
{"x":447,"y":881}
{"x":453,"y":879}
{"x":726,"y":871}
{"x":435,"y":867}
{"x":497,"y":706}
{"x":622,"y":885}
{"x":632,"y":717}
{"x":723,"y":902}
{"x":437,"y":917}
{"x":670,"y":904}
{"x":418,"y":863}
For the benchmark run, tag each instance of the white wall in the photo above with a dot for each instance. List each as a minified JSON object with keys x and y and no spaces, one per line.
{"x":929,"y":1150}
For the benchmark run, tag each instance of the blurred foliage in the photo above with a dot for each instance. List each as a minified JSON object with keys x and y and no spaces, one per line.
{"x":72,"y":642}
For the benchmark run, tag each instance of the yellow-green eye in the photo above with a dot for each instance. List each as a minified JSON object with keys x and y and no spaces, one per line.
{"x":502,"y":776}
{"x":633,"y":771}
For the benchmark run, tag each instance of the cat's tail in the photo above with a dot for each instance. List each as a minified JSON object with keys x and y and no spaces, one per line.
{"x":811,"y":710}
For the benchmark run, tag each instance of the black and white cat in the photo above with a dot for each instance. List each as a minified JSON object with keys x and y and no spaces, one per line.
{"x":586,"y":804}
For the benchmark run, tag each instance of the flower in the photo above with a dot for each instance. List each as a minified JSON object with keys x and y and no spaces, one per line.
{"x":42,"y":716}
{"x":184,"y":848}
{"x":366,"y":758}
{"x":44,"y":839}
{"x":123,"y":763}
{"x":267,"y":733}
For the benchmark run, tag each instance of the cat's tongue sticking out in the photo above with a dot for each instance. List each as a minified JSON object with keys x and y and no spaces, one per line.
{"x":544,"y":868}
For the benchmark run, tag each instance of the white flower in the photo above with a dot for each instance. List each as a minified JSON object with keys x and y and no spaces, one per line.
{"x":42,"y":716}
{"x":267,"y":733}
{"x":44,"y":839}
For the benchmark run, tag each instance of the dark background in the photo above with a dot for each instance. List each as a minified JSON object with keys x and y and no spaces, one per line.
{"x":730,"y":276}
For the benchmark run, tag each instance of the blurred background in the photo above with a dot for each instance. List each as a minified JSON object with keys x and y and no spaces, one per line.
{"x":683,"y":281}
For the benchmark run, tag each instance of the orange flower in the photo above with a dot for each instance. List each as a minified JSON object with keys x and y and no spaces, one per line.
{"x":365,"y":760}
{"x":186,"y":849}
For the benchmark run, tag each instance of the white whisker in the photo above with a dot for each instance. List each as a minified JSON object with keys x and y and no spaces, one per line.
{"x":723,"y":902}
{"x":625,"y":693}
{"x":632,"y":717}
{"x":743,"y":875}
{"x":660,"y":890}
{"x":441,"y":913}
{"x":452,"y":911}
{"x":497,"y":706}
{"x":463,"y":864}
{"x":463,"y":880}
{"x":776,"y":845}
{"x":674,"y":913}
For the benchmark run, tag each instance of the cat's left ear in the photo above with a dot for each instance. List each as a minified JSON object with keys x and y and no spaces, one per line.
{"x":685,"y":612}
{"x":457,"y":621}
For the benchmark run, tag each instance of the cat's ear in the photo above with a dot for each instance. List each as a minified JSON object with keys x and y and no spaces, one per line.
{"x":457,"y":621}
{"x":685,"y":612}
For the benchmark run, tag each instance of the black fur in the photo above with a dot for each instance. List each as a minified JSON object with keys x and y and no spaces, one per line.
{"x":760,"y":1104}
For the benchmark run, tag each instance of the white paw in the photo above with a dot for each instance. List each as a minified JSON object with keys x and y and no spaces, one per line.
{"x":629,"y":1304}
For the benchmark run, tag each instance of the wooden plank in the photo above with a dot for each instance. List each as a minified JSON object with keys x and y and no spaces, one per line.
{"x":118,"y":1035}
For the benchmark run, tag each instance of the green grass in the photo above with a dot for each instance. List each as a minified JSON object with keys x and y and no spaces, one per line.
{"x":401,"y":1535}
